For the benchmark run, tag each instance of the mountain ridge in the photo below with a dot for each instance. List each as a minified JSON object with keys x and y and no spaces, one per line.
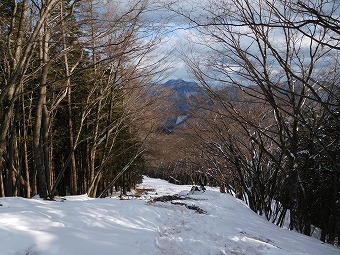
{"x":184,"y":93}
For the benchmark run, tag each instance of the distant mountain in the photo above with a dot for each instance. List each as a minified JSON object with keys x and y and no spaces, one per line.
{"x":184,"y":94}
{"x":183,"y":88}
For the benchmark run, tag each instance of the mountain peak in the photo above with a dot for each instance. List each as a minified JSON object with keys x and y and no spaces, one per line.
{"x":179,"y":82}
{"x":182,"y":87}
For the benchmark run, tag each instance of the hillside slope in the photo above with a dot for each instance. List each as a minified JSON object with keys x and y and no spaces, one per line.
{"x":199,"y":223}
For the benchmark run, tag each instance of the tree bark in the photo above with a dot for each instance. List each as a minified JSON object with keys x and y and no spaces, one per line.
{"x":40,"y":120}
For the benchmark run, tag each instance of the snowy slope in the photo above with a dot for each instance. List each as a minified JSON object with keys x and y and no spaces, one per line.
{"x":80,"y":225}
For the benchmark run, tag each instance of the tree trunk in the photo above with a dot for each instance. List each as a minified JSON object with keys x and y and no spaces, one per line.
{"x":40,"y":120}
{"x":10,"y":156}
{"x":5,"y":125}
{"x":45,"y":143}
{"x":2,"y":187}
{"x":73,"y":172}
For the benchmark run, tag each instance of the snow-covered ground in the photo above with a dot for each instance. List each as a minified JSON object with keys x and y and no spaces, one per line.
{"x":83,"y":226}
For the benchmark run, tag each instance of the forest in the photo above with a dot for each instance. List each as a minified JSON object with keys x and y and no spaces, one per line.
{"x":84,"y":107}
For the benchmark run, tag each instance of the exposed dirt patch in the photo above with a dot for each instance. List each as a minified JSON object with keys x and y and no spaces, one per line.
{"x":167,"y":198}
{"x":174,"y":200}
{"x":191,"y":207}
{"x":140,"y":192}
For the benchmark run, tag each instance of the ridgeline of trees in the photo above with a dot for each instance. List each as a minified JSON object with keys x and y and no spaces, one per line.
{"x":79,"y":115}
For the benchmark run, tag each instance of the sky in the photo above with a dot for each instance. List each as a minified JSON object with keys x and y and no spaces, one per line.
{"x":174,"y":31}
{"x":182,"y":39}
{"x":177,"y":37}
{"x":138,"y":225}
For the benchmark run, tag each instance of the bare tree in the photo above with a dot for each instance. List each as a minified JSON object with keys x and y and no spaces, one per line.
{"x":20,"y":45}
{"x":259,"y":48}
{"x":70,"y":58}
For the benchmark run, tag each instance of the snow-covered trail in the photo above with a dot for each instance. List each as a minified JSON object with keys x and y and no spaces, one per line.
{"x":85,"y":226}
{"x":229,"y":227}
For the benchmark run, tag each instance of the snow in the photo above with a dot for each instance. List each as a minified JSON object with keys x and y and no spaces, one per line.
{"x":81,"y":225}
